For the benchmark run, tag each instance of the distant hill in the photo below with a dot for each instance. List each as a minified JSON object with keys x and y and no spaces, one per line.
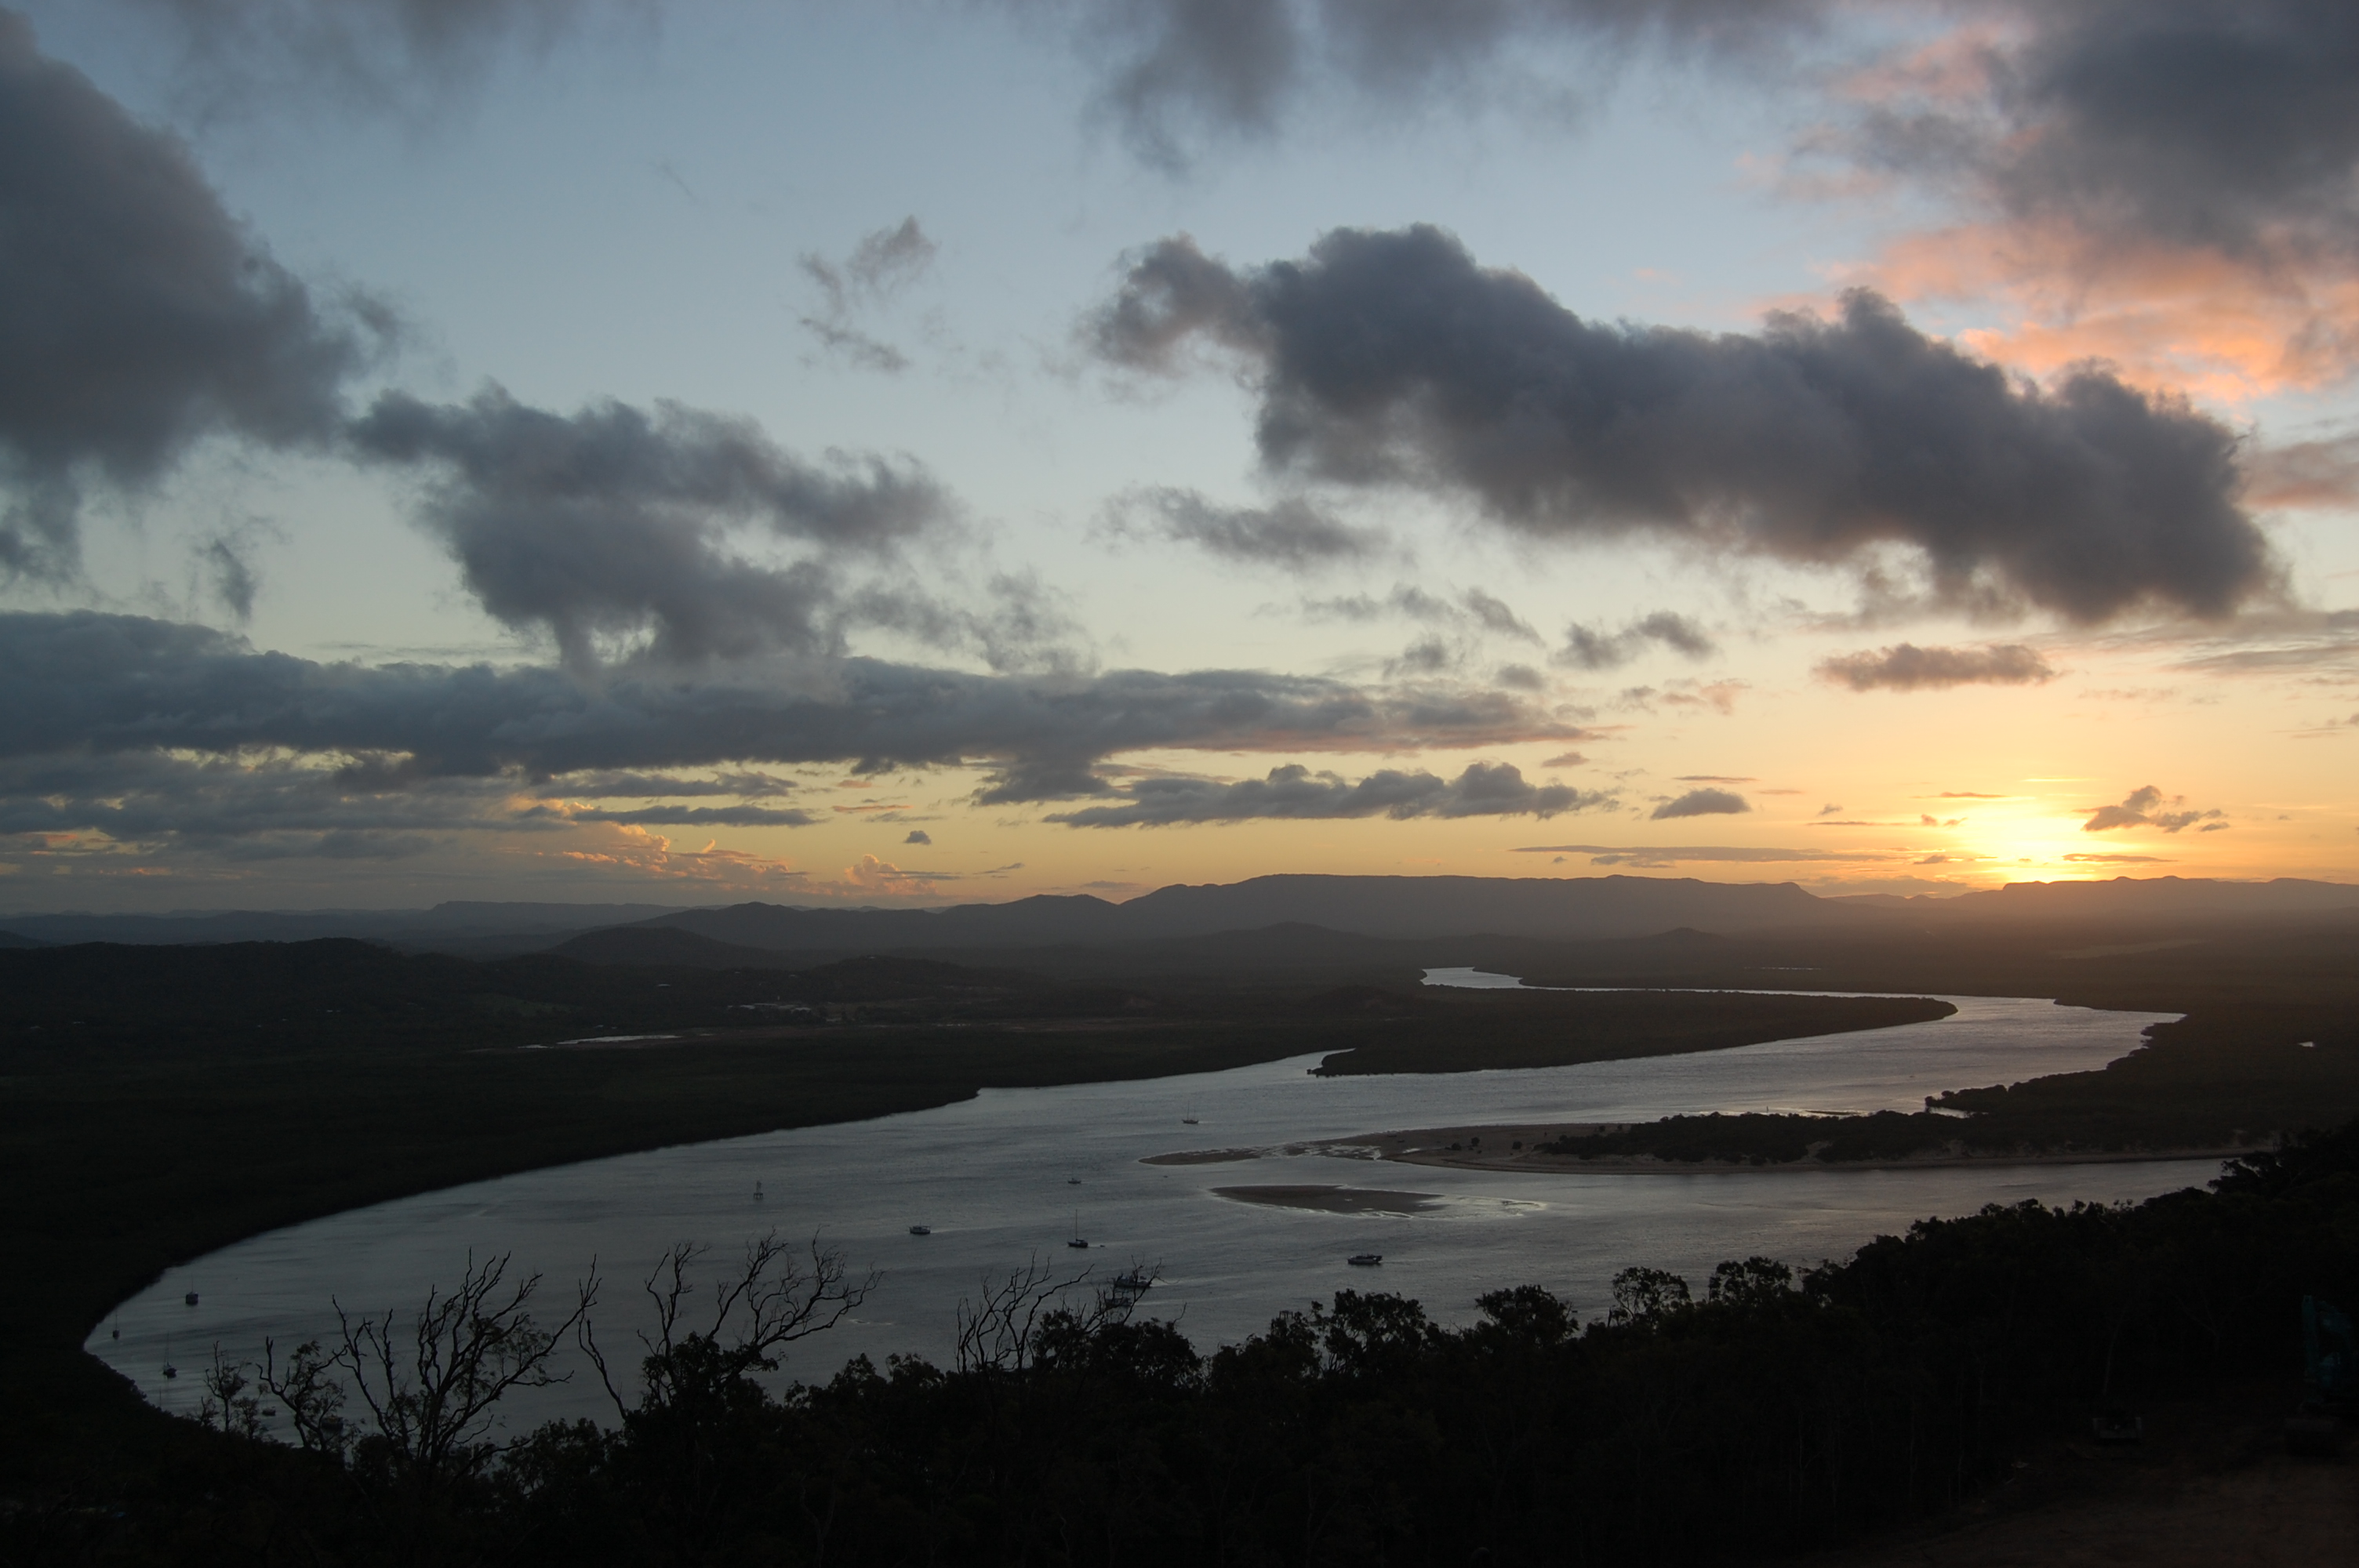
{"x":2135,"y":899}
{"x":416,"y":928}
{"x":665,"y":948}
{"x":1559,"y":909}
{"x":10,"y":939}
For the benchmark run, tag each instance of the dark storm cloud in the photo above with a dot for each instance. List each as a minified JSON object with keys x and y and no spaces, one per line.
{"x":135,"y":315}
{"x":1292,"y":534}
{"x":2225,"y":124}
{"x":1907,"y":667}
{"x":2144,"y":807}
{"x":88,"y":685}
{"x":1701,"y":803}
{"x":1392,"y":358}
{"x":1594,"y":650}
{"x":1294,"y":792}
{"x":616,"y":522}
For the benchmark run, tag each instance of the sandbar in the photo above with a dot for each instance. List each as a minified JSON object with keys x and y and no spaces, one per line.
{"x":1334,"y":1200}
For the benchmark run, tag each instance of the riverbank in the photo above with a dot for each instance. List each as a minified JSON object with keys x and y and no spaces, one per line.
{"x":1494,"y":1146}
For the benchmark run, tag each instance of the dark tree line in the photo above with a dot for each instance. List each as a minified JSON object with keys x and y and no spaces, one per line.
{"x":1760,"y":1413}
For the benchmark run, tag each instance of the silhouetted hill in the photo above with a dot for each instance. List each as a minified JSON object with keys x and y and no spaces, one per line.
{"x":664,"y":947}
{"x":457,"y":919}
{"x":10,"y":939}
{"x":2144,"y":899}
{"x":1560,"y":909}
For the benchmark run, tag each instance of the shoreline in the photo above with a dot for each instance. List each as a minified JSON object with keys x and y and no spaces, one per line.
{"x":1432,"y":1146}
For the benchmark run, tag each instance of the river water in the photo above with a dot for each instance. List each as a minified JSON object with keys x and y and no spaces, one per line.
{"x":1013,"y":1175}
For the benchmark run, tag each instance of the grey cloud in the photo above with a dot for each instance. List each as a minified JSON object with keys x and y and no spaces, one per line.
{"x":1391,"y":359}
{"x":1700,"y":803}
{"x":880,"y":266}
{"x":1172,"y":298}
{"x":603,"y":785}
{"x":1181,"y":71}
{"x":852,"y":343}
{"x":616,"y":522}
{"x":2225,"y":125}
{"x":235,"y":579}
{"x":882,"y":263}
{"x":1594,"y":650}
{"x":1522,"y":677}
{"x":1292,"y":534}
{"x":1906,"y":667}
{"x":90,"y":685}
{"x":695,"y":817}
{"x":407,"y":54}
{"x":2142,"y":809}
{"x":1294,"y":792}
{"x":919,"y":836}
{"x":1471,"y":610}
{"x":2322,"y":473}
{"x":135,"y":315}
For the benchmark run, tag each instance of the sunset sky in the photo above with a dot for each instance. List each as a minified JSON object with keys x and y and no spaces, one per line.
{"x":925,"y":451}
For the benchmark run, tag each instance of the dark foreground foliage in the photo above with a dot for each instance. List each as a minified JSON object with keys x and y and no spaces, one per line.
{"x":1761,"y":1415}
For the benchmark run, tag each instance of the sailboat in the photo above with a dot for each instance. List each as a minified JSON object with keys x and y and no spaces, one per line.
{"x":1077,"y":1241}
{"x":757,"y":1192}
{"x":169,"y":1371}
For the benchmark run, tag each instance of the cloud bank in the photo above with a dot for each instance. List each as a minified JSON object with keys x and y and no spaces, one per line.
{"x":1392,"y":358}
{"x":1293,"y":793}
{"x":136,"y":316}
{"x":1907,"y":667}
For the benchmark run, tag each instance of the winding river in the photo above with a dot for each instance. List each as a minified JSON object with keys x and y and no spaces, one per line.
{"x":1014,"y":1173}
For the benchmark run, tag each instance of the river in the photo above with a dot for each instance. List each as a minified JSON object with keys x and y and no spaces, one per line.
{"x":1013,"y":1175}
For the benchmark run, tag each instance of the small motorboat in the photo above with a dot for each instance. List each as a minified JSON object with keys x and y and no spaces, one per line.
{"x":921,"y":1230}
{"x":1072,"y":1181}
{"x":1364,"y":1259}
{"x":1138,"y":1283}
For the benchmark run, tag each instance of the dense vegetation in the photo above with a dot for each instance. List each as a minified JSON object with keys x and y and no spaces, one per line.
{"x":2207,"y":1081}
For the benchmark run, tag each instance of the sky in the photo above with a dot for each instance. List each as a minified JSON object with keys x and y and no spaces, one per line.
{"x":936,"y":451}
